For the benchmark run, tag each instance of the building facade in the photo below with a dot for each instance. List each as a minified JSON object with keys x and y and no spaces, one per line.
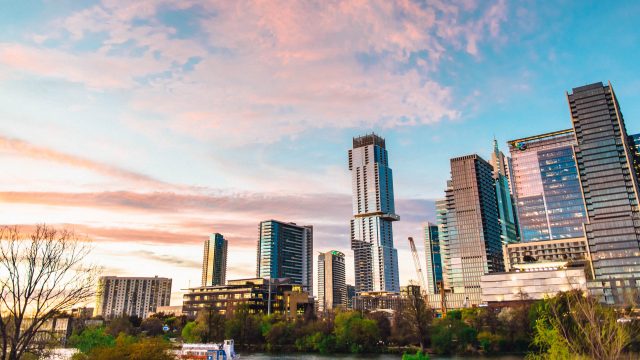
{"x":286,"y":298}
{"x":547,"y":187}
{"x":573,"y":250}
{"x":473,"y":243}
{"x":332,"y":287}
{"x":605,"y":158}
{"x":506,"y":209}
{"x":214,"y":261}
{"x":375,"y":258}
{"x":433,"y":258}
{"x":139,"y":296}
{"x":285,"y":250}
{"x":351,"y":293}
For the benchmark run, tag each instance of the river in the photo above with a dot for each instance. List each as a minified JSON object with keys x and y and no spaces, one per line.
{"x":360,"y":357}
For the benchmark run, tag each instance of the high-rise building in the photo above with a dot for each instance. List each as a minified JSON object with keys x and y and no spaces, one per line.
{"x":375,"y":258}
{"x":635,"y":141}
{"x":332,"y":287}
{"x":214,"y":261}
{"x":506,"y":210}
{"x":285,"y":250}
{"x":433,"y":258}
{"x":443,"y":231}
{"x":118,"y":296}
{"x":474,"y":246}
{"x":547,"y":187}
{"x":605,"y":159}
{"x":351,"y":293}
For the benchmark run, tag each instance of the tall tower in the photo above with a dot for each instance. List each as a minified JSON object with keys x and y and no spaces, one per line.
{"x":433,"y":257}
{"x":376,"y":260}
{"x":285,"y":250}
{"x":332,"y":287}
{"x":474,"y":247}
{"x":605,"y":158}
{"x":506,"y":211}
{"x":214,"y":261}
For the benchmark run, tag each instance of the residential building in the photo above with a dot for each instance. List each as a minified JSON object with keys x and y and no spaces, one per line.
{"x":332,"y":288}
{"x":473,"y":243}
{"x":443,"y":231}
{"x":261,"y":296}
{"x":285,"y":250}
{"x":433,"y":258}
{"x":530,"y":282}
{"x":635,"y":141}
{"x":378,"y":300}
{"x":547,"y":187}
{"x":573,"y":250}
{"x":605,"y":158}
{"x":139,"y":296}
{"x":375,"y":258}
{"x":214,"y":261}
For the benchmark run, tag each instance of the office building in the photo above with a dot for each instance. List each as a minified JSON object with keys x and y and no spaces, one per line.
{"x":433,"y":258}
{"x":573,"y":250}
{"x":214,"y":261}
{"x":286,"y":298}
{"x":441,"y":220}
{"x":547,"y":187}
{"x":506,"y":210}
{"x":473,"y":243}
{"x":139,"y":296}
{"x":375,"y":258}
{"x":351,"y":293}
{"x":605,"y":158}
{"x":285,"y":250}
{"x":332,"y":288}
{"x":635,"y":141}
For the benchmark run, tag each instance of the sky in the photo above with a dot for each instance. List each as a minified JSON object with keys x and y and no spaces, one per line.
{"x":147,"y":125}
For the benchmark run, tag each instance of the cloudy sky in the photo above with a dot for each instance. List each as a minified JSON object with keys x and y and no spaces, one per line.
{"x":147,"y":125}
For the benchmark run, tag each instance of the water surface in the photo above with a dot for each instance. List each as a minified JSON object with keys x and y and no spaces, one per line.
{"x":360,"y":357}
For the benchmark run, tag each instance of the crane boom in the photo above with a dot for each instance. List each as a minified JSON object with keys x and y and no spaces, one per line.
{"x":416,"y":262}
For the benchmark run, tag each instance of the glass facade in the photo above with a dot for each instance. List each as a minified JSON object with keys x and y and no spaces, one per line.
{"x":506,"y":211}
{"x":214,"y":262}
{"x":433,"y":258}
{"x":473,"y":243}
{"x":546,"y":187}
{"x":375,"y":258}
{"x":605,"y":158}
{"x":285,"y":251}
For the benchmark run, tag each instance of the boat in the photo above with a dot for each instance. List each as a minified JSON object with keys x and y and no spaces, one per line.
{"x":224,"y":351}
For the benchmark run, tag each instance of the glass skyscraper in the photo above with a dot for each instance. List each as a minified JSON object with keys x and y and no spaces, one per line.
{"x":473,"y":243}
{"x":506,"y":210}
{"x":433,"y":258}
{"x":285,"y":250}
{"x":375,"y":258}
{"x":214,"y":261}
{"x":332,"y":286}
{"x":605,"y":157}
{"x":546,"y":187}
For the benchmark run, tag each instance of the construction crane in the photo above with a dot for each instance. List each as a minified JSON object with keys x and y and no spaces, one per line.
{"x":416,"y":261}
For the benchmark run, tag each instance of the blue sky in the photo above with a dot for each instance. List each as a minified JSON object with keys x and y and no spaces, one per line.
{"x":147,"y":125}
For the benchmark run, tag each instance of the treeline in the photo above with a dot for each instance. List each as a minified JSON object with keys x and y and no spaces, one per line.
{"x":568,"y":326}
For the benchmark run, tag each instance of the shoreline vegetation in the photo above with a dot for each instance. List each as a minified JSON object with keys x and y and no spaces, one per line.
{"x":562,"y":327}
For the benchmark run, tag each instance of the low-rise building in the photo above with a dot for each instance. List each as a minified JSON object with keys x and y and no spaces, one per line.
{"x":377,"y":300}
{"x":569,"y":249}
{"x":533,"y":281}
{"x":260,"y":295}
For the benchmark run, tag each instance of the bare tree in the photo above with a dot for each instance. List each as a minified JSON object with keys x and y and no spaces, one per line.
{"x":42,"y":274}
{"x":418,"y":314}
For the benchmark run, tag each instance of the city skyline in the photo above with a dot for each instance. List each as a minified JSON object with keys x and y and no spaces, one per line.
{"x":153,"y":131}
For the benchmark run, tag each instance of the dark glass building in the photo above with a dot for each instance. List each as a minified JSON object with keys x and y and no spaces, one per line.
{"x":285,"y":251}
{"x":605,"y":157}
{"x":433,"y":258}
{"x":214,"y":261}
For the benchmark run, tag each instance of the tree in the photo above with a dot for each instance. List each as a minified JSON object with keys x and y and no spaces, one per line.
{"x":243,"y":327}
{"x":152,"y":326}
{"x":418,"y":314}
{"x":41,"y":274}
{"x":354,"y":333}
{"x":91,"y":338}
{"x":130,"y":348}
{"x":193,"y":332}
{"x":120,"y":325}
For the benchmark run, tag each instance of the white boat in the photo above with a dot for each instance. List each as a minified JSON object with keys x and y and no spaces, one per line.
{"x":224,"y":351}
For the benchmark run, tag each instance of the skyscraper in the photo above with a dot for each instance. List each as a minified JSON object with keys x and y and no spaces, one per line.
{"x":433,"y":257}
{"x":506,"y":210}
{"x":547,"y":187}
{"x":375,"y":258}
{"x":332,"y":288}
{"x":285,"y":250}
{"x":118,"y":296}
{"x":605,"y":159}
{"x":214,"y":261}
{"x":473,"y":244}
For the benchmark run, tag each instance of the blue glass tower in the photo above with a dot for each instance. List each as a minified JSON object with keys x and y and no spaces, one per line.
{"x":433,"y":257}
